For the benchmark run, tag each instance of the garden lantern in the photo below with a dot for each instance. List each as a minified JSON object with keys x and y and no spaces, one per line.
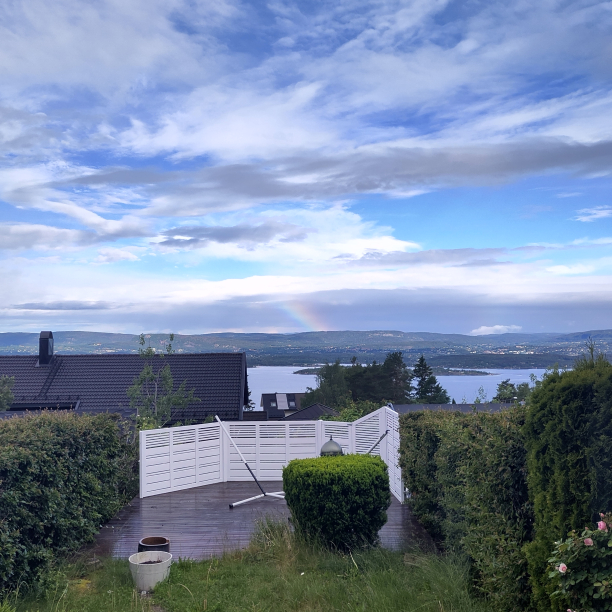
{"x":331,"y":448}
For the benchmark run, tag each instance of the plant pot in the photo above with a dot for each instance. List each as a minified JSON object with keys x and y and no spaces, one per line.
{"x":154,"y":543}
{"x":149,"y":568}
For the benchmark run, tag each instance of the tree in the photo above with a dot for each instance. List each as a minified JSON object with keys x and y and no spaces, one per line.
{"x":352,"y":411}
{"x":509,"y":392}
{"x":428,"y":389}
{"x":6,"y":393}
{"x":390,"y":381}
{"x":341,"y":387}
{"x":152,"y":393}
{"x":398,"y":379}
{"x":250,"y":404}
{"x":481,"y":398}
{"x":331,"y":390}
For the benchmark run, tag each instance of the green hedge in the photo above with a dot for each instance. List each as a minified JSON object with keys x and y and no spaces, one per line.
{"x":568,"y":437}
{"x":467,"y":477}
{"x":61,"y":476}
{"x":342,"y":501}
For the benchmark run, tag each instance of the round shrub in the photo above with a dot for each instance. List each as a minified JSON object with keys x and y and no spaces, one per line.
{"x":341,"y":501}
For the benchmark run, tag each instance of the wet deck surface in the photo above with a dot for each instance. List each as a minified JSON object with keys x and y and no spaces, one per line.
{"x":200,"y":524}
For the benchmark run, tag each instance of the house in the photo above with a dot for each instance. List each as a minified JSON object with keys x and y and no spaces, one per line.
{"x":312,"y":413}
{"x":98,"y":383}
{"x":488,"y":407}
{"x":280,"y":405}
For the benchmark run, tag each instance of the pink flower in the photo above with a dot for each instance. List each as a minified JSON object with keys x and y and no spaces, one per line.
{"x":562,"y":568}
{"x":602,"y":514}
{"x":602,"y":526}
{"x":588,"y":542}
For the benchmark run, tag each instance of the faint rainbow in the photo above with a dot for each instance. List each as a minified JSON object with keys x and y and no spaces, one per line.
{"x":305,"y":315}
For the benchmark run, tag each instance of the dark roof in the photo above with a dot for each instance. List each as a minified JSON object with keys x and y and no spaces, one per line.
{"x":98,"y":383}
{"x":279,"y":409}
{"x":312,"y":413}
{"x":488,"y":407}
{"x":254,"y":415}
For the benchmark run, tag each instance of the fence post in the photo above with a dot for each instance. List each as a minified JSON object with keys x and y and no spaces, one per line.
{"x":171,"y":459}
{"x":141,"y":456}
{"x":224,"y":450}
{"x":352,"y":439}
{"x":257,"y":447}
{"x":287,"y":443}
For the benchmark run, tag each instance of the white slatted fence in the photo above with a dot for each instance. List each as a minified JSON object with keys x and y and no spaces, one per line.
{"x":196,"y":455}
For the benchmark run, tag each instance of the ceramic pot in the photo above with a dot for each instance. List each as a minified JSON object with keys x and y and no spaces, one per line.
{"x":154,"y":543}
{"x":149,"y":568}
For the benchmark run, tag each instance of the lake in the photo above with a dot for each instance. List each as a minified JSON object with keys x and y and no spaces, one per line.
{"x":281,"y":379}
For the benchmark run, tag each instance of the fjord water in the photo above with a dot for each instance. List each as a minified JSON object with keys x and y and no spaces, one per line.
{"x":460,"y":387}
{"x":281,"y":379}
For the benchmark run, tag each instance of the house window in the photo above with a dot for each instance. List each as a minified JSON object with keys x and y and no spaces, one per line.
{"x":292,"y":404}
{"x":272,"y":404}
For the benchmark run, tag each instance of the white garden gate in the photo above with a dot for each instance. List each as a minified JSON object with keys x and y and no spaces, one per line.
{"x":196,"y":455}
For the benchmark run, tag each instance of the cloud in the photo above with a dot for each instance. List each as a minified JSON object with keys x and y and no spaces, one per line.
{"x":578,"y":268}
{"x":243,"y":235}
{"x":593,"y":241}
{"x":24,"y":236}
{"x":485,"y":330}
{"x":457,"y":257}
{"x":22,"y":131}
{"x":284,"y":236}
{"x":437,"y":310}
{"x":215,"y":120}
{"x":112,"y":255}
{"x":594,"y":214}
{"x":35,"y":188}
{"x":109,"y":45}
{"x":389,"y":169}
{"x":66,"y":305}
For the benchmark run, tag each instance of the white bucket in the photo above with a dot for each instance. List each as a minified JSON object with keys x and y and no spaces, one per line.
{"x":147,"y":575}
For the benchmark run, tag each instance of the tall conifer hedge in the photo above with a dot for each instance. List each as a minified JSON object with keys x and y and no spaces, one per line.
{"x":568,"y":436}
{"x":467,"y":476}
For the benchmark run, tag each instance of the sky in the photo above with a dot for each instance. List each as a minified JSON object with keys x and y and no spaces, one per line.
{"x":188,"y":166}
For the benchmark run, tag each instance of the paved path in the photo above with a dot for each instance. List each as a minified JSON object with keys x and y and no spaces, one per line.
{"x":200,"y":524}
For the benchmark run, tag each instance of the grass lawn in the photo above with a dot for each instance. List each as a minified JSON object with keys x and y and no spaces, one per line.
{"x":276,"y":573}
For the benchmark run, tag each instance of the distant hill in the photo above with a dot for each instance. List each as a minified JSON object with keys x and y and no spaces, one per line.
{"x":308,"y":348}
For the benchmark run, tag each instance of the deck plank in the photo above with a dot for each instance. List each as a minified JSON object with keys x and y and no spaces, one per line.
{"x":200,"y":524}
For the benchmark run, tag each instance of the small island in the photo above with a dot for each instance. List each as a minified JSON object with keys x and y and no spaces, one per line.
{"x":438,"y":371}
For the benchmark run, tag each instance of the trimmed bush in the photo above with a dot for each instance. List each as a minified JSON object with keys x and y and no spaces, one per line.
{"x":568,"y":435}
{"x":466,"y":474}
{"x":61,"y":476}
{"x":342,"y":501}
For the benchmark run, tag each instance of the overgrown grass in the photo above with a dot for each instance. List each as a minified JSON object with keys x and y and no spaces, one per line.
{"x":80,"y":587}
{"x":278,"y":572}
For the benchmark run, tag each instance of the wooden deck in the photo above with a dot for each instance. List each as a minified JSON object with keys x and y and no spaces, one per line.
{"x":200,"y":524}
